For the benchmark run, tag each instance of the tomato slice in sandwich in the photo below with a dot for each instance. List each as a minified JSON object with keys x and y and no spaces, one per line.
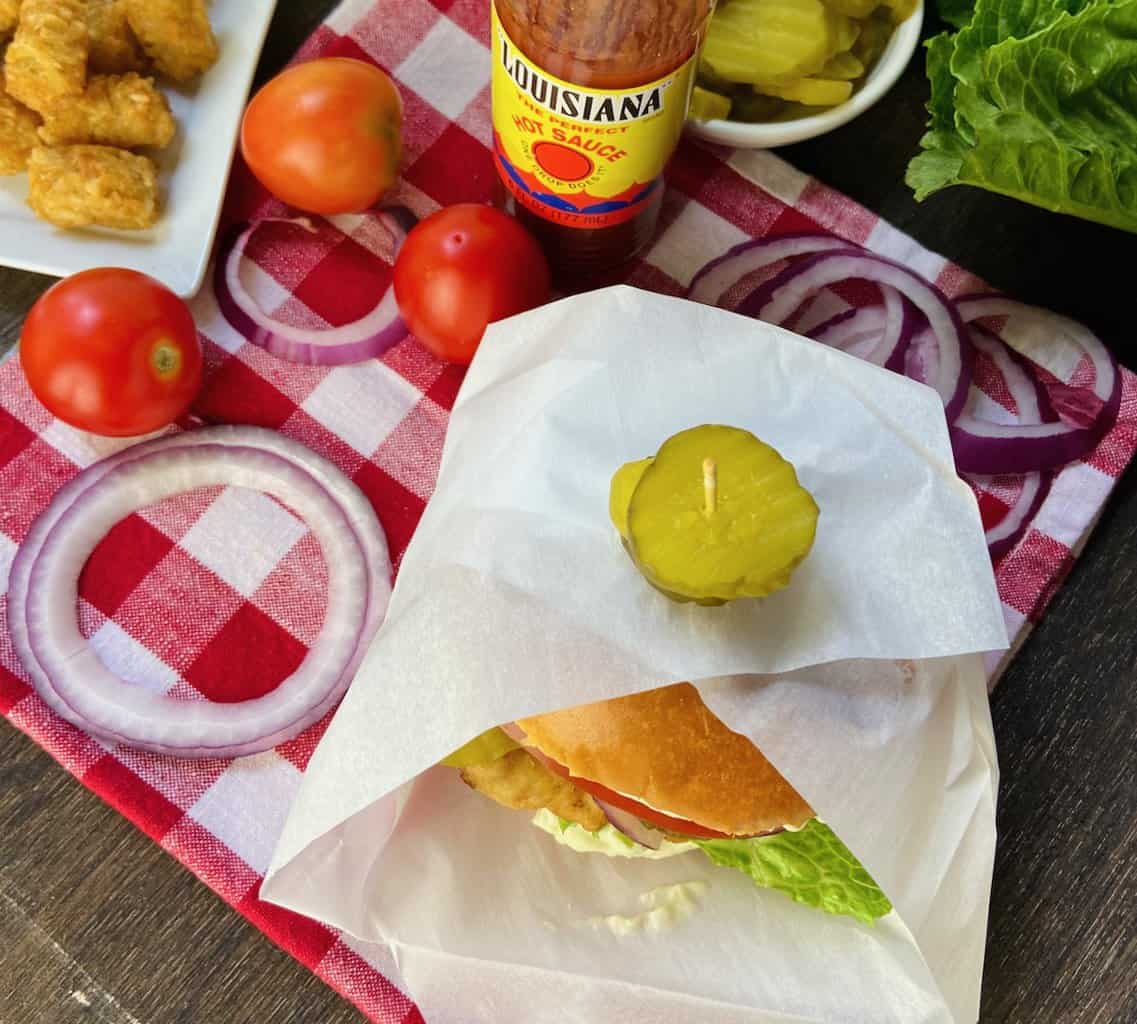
{"x":653,"y":817}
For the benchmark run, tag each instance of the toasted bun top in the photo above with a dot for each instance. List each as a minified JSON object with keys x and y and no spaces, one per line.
{"x":665,"y":748}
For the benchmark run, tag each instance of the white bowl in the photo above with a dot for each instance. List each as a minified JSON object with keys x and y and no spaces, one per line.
{"x":766,"y":135}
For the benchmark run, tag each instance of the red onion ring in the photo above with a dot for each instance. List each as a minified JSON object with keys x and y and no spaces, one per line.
{"x":294,"y":462}
{"x":1030,"y":398}
{"x":847,"y":339}
{"x":878,"y":334}
{"x":922,"y":362}
{"x":856,"y":331}
{"x":1026,"y":324}
{"x":1032,"y":407}
{"x":363,"y":339}
{"x":631,"y":826}
{"x":779,"y":297}
{"x":364,"y":523}
{"x":713,"y":280}
{"x":1006,"y":533}
{"x":894,"y":360}
{"x":824,"y":308}
{"x":104,"y":703}
{"x":995,"y":448}
{"x":358,"y":509}
{"x":981,"y":446}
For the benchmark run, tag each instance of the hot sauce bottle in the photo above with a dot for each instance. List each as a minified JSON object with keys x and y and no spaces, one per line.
{"x":589,"y":98}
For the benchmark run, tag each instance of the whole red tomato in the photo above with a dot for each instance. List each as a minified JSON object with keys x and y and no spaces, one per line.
{"x":325,"y":136}
{"x":463,"y":268}
{"x":112,"y":351}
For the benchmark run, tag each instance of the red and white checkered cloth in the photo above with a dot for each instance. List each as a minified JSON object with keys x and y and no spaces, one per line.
{"x":218,"y":593}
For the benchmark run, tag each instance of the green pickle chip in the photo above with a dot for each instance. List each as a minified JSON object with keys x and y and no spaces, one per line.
{"x":775,"y":60}
{"x":707,"y":105}
{"x":762,"y":525}
{"x":624,"y":484}
{"x":489,"y":746}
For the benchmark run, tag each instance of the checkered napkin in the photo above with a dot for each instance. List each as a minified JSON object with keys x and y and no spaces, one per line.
{"x":218,"y":594}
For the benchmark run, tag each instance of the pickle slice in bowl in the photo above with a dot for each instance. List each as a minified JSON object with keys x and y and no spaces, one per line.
{"x":843,"y":66}
{"x":812,"y":92}
{"x":770,"y":40}
{"x":707,"y":105}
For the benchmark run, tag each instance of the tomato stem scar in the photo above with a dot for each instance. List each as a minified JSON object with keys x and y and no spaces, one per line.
{"x":166,"y":358}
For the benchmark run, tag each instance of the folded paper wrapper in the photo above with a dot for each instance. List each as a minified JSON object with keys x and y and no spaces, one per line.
{"x":862,"y":682}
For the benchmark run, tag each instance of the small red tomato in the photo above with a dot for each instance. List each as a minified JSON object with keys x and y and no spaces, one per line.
{"x":325,"y":136}
{"x":112,"y":351}
{"x":463,"y":268}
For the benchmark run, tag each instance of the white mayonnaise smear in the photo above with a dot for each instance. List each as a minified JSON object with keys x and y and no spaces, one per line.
{"x":664,"y":908}
{"x":608,"y":840}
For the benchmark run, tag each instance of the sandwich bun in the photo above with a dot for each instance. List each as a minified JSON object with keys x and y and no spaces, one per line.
{"x":666,"y":749}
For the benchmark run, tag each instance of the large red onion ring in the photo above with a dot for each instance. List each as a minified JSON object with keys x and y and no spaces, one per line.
{"x":91,"y":697}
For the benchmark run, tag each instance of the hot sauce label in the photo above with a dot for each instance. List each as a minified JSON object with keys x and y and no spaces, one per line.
{"x":585,"y":158}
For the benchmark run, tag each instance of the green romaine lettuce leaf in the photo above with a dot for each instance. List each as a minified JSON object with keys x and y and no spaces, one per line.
{"x":812,"y":867}
{"x":993,"y":21}
{"x":1037,"y":99}
{"x":941,"y":106}
{"x":956,"y":12}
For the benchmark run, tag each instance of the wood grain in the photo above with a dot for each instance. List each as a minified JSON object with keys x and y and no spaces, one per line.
{"x":1062,"y":944}
{"x":97,"y":924}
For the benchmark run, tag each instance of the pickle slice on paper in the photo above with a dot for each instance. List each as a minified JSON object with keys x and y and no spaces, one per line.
{"x":624,"y":483}
{"x":761,"y":526}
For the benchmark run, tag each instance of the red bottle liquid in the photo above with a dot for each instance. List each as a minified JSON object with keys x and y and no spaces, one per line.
{"x":589,"y":98}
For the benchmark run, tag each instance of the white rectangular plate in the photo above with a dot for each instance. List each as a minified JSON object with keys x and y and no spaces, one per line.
{"x":194,"y":170}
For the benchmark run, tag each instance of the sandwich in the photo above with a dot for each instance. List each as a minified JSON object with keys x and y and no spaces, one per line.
{"x":656,"y":774}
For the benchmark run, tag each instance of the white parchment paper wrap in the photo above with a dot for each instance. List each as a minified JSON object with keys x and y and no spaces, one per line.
{"x":861,"y":682}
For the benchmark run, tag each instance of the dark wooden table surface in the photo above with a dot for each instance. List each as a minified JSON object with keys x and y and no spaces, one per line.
{"x":98,"y":924}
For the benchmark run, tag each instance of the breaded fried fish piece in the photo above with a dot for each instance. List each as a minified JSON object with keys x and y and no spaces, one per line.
{"x":47,"y":58}
{"x":9,"y":15}
{"x":113,"y":48}
{"x":175,"y":34}
{"x":520,"y":781}
{"x":81,"y":186}
{"x":116,"y":110}
{"x":18,"y":137}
